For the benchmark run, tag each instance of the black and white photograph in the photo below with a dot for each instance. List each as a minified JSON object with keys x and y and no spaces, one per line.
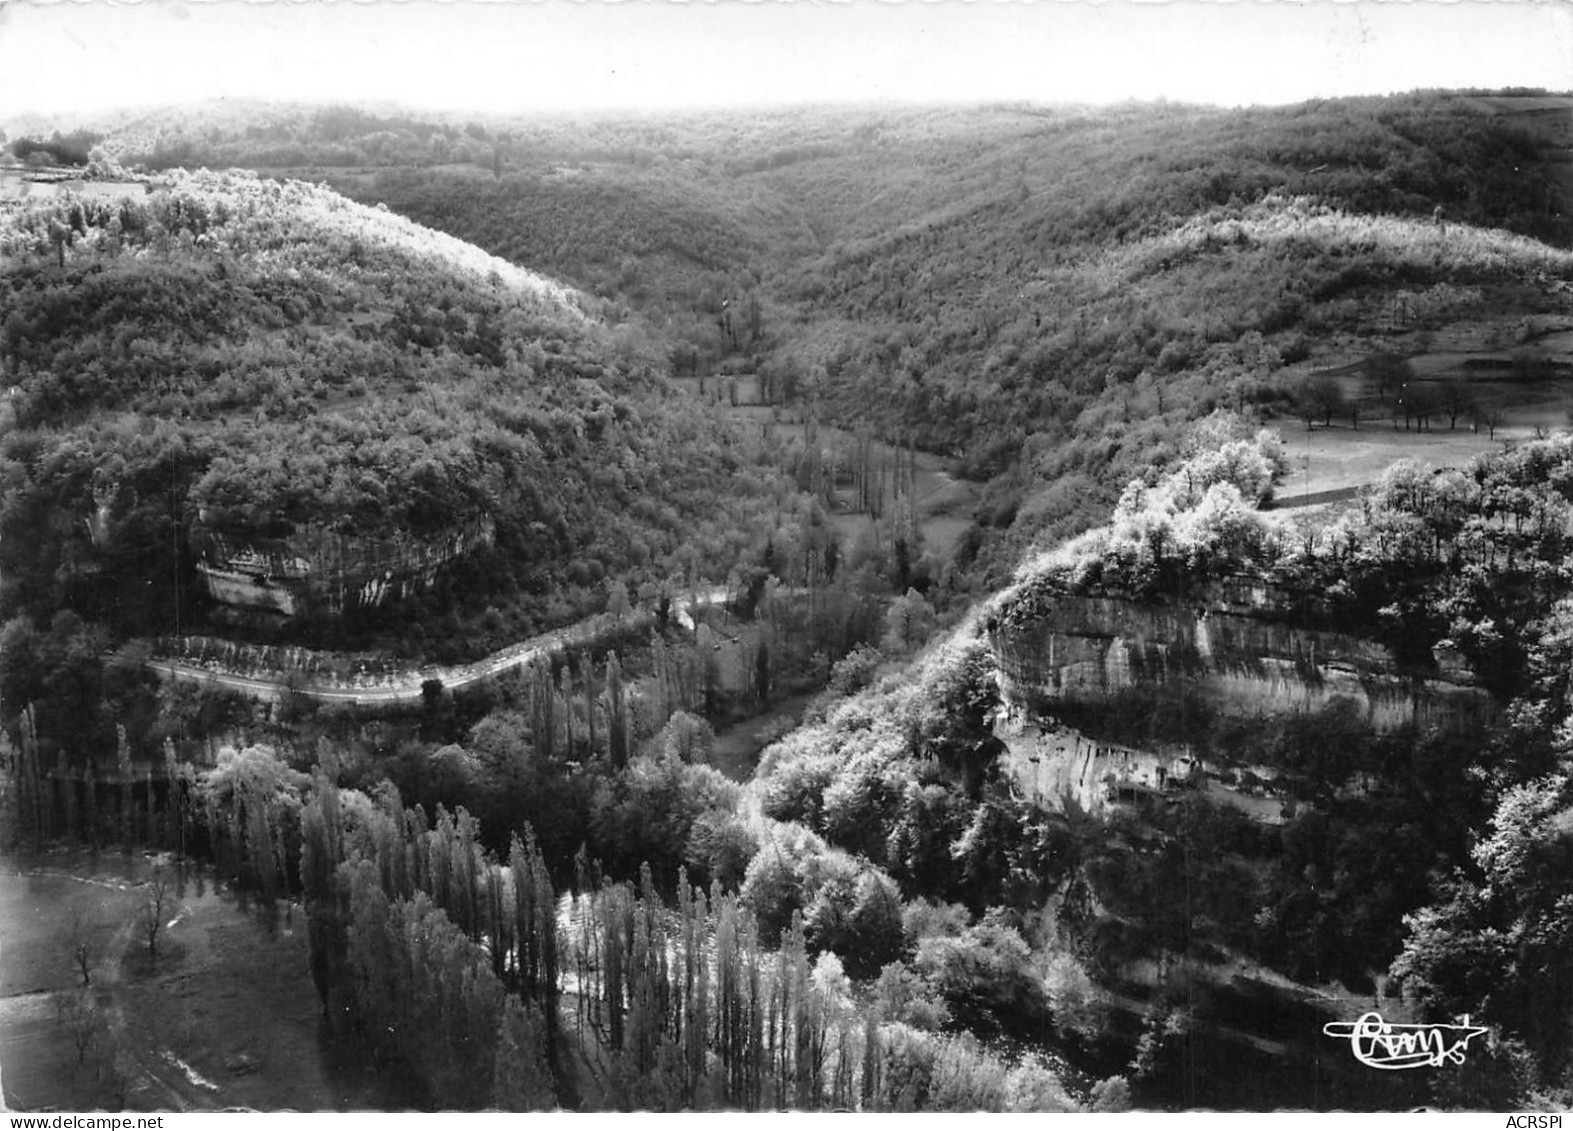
{"x":835,"y":556}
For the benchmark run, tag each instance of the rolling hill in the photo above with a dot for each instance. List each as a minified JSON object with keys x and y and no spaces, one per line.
{"x":317,"y":418}
{"x":1042,"y":294}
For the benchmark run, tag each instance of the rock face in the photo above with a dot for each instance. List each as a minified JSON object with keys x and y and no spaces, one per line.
{"x":315,"y":572}
{"x":1057,"y":766}
{"x":1232,"y":648}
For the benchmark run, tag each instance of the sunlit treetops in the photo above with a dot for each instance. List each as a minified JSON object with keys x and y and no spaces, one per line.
{"x":271,"y":361}
{"x":1305,"y":226}
{"x":1201,"y":510}
{"x":282,"y":227}
{"x":1473,"y":557}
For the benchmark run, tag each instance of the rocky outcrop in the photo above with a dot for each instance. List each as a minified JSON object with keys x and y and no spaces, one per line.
{"x":315,"y":572}
{"x":1057,"y":766}
{"x":1235,"y":650}
{"x":1230,"y":647}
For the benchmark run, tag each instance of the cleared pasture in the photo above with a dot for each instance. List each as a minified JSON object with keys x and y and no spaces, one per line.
{"x":226,"y":1018}
{"x":1341,"y":456}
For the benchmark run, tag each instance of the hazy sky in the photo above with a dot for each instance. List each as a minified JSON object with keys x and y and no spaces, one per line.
{"x":555,"y":54}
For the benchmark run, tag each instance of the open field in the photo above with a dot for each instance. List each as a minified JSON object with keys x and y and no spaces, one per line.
{"x":18,"y":184}
{"x":1341,"y":457}
{"x":226,"y":1018}
{"x":1329,"y":459}
{"x":1508,"y":348}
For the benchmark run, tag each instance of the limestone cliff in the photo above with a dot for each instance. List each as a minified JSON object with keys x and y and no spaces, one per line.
{"x":1232,"y":647}
{"x":1232,"y":650}
{"x":1056,"y":765}
{"x":317,"y":572}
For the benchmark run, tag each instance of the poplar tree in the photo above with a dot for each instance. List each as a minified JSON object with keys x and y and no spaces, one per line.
{"x":29,"y":776}
{"x":322,"y":849}
{"x":692,"y":1028}
{"x":535,"y":929}
{"x":151,"y":808}
{"x":565,"y":692}
{"x":500,"y":924}
{"x":754,"y":1065}
{"x":522,"y":1078}
{"x":705,"y":645}
{"x":90,"y":802}
{"x":439,"y":851}
{"x":543,"y":698}
{"x":588,"y":669}
{"x":72,"y":800}
{"x":729,"y":1008}
{"x":177,"y":813}
{"x":873,"y":1052}
{"x":258,"y":838}
{"x":663,"y":677}
{"x":613,"y":961}
{"x":123,"y":772}
{"x":465,"y":895}
{"x":794,"y":962}
{"x":617,"y":712}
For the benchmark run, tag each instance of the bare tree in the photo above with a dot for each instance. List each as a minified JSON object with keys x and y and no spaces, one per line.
{"x":78,"y":1011}
{"x":76,"y":941}
{"x":1319,"y":397}
{"x":158,"y":904}
{"x":1422,"y":404}
{"x":1457,"y":399}
{"x":1388,"y":373}
{"x":1308,"y":411}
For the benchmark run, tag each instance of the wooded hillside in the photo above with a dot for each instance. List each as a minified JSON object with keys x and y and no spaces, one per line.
{"x":231,"y":354}
{"x":1047,"y":294}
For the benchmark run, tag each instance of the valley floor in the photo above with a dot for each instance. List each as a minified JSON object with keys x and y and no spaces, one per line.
{"x":227,"y":1018}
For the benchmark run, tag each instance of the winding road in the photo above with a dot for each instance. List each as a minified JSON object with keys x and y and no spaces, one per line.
{"x":405,"y":687}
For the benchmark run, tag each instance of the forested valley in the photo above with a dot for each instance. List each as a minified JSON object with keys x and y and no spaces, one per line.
{"x":815,"y":431}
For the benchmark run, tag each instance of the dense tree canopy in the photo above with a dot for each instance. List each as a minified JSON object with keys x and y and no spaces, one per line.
{"x":264,"y":361}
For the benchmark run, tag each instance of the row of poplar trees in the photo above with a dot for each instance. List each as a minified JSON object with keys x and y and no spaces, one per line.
{"x":455,"y":965}
{"x":693,"y":1013}
{"x":471,"y":973}
{"x":437,"y":955}
{"x":578,"y":719}
{"x":239,"y":814}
